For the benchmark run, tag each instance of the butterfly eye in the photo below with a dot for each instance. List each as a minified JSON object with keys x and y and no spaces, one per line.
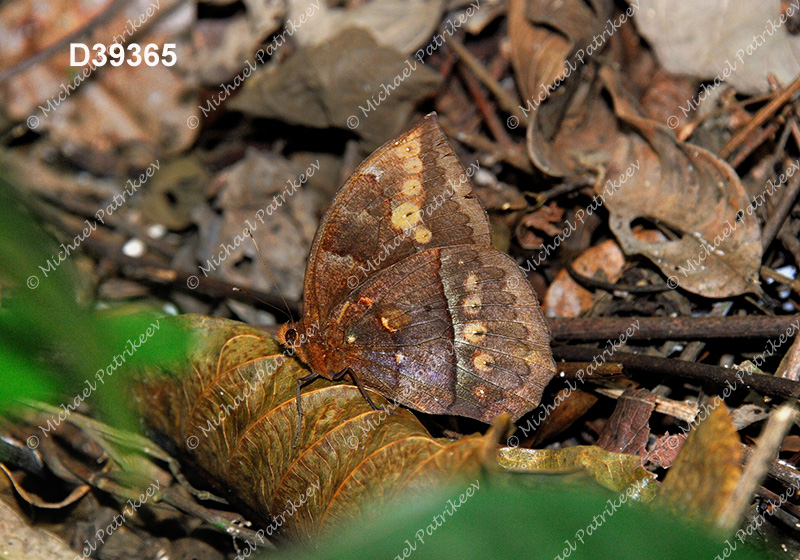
{"x":291,"y":337}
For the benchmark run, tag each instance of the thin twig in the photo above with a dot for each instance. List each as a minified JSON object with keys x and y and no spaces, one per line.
{"x":590,"y":282}
{"x":764,"y":114}
{"x":671,"y":328}
{"x":757,"y":467}
{"x":511,"y":157}
{"x":653,"y":366}
{"x":152,"y":273}
{"x":508,"y":103}
{"x":778,"y":217}
{"x":486,"y":109}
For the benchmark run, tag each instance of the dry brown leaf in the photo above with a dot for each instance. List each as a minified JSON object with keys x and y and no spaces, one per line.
{"x":543,"y":35}
{"x":696,"y":193}
{"x":223,"y":45}
{"x":348,"y":454}
{"x":657,"y":178}
{"x":566,"y":298}
{"x":324,"y":86}
{"x":665,"y":451}
{"x":173,"y":192}
{"x":401,"y":25}
{"x":547,"y":220}
{"x":705,"y":38}
{"x":707,"y":470}
{"x":628,"y":429}
{"x":264,"y":194}
{"x":605,"y":262}
{"x":572,"y":405}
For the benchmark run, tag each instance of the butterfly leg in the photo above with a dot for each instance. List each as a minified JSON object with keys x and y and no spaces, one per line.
{"x":300,"y":382}
{"x":357,"y":381}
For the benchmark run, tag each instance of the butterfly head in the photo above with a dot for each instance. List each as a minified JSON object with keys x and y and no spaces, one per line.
{"x":312,"y":348}
{"x":293,"y":337}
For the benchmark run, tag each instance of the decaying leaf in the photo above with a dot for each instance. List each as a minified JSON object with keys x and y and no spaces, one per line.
{"x":572,"y":405}
{"x":351,"y":75}
{"x":268,"y":195}
{"x":740,"y":43}
{"x":719,"y":252}
{"x":222,"y":45}
{"x":665,"y":450}
{"x":615,"y":471}
{"x":645,"y":173}
{"x":639,"y":169}
{"x":565,"y":297}
{"x":604,"y":261}
{"x":398,"y":24}
{"x":705,"y":474}
{"x":628,"y":428}
{"x":233,"y":412}
{"x":543,"y":34}
{"x":547,"y":221}
{"x":173,"y":192}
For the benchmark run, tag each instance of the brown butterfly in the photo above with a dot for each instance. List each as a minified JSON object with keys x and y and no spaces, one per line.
{"x":410,"y":298}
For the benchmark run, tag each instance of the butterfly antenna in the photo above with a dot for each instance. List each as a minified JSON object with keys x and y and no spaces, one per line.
{"x":269,"y":274}
{"x":258,"y":299}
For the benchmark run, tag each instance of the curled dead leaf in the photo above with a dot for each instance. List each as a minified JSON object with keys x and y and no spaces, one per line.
{"x":232,"y":411}
{"x":615,"y":471}
{"x":644,"y":173}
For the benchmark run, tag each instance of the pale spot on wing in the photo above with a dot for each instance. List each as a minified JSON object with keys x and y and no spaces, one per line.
{"x":405,"y":216}
{"x":483,"y":362}
{"x":474,"y":331}
{"x":471,"y":283}
{"x":412,"y":188}
{"x":423,"y":235}
{"x":472,"y":305}
{"x":412,"y":165}
{"x":411,"y":149}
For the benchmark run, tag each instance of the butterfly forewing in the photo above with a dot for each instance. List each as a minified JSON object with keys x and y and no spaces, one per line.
{"x":410,"y":195}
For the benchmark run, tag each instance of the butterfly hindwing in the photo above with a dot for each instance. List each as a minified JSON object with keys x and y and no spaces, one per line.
{"x":453,"y":330}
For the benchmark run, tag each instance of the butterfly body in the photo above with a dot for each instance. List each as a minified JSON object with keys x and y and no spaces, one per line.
{"x":411,"y":298}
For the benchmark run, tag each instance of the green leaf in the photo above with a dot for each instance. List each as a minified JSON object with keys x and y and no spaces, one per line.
{"x":54,"y":347}
{"x":521,"y":517}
